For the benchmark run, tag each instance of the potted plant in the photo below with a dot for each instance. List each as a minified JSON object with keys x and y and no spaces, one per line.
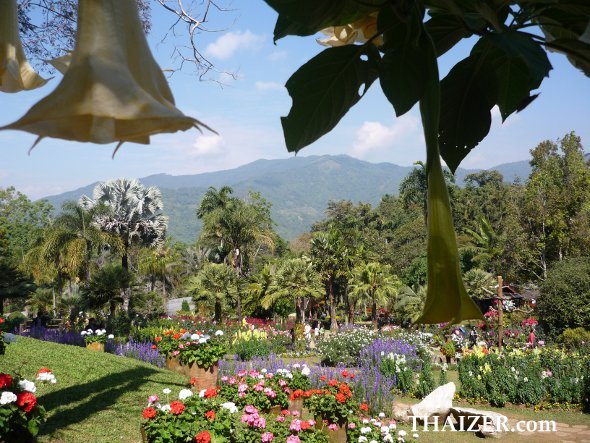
{"x":20,"y":413}
{"x":448,"y":350}
{"x":194,"y":354}
{"x":95,"y":340}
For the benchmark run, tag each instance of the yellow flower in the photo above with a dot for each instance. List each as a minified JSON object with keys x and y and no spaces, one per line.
{"x":16,"y":74}
{"x":113,"y":89}
{"x":359,"y":31}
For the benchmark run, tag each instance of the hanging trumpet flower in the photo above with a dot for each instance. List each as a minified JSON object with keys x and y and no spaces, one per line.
{"x":113,"y":90}
{"x":16,"y":74}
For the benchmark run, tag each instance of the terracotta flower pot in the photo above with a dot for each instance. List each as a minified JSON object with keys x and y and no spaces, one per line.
{"x":173,"y":364}
{"x":95,"y":346}
{"x":334,"y":436}
{"x":205,"y":377}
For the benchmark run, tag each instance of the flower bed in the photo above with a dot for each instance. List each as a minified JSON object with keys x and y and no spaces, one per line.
{"x":523,"y":377}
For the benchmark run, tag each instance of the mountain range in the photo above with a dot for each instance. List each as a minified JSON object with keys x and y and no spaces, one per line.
{"x":299,"y":188}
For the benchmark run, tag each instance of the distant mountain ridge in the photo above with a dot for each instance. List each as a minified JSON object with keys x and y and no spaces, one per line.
{"x":299,"y":188}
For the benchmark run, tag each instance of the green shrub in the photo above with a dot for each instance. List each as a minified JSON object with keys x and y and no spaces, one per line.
{"x":565,"y":296}
{"x":13,"y":320}
{"x":425,"y":383}
{"x":120,"y":326}
{"x":248,"y":349}
{"x":575,"y":339}
{"x":185,"y":306}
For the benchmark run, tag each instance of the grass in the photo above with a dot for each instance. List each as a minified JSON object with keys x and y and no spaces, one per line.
{"x":98,"y":397}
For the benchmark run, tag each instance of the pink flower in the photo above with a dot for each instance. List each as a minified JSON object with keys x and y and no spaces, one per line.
{"x":181,"y":346}
{"x":242,"y":373}
{"x":175,"y":353}
{"x":293,"y":439}
{"x":232,"y":381}
{"x":351,"y":426}
{"x":281,"y":418}
{"x":250,"y":409}
{"x":332,"y":427}
{"x":312,"y":423}
{"x":267,"y":437}
{"x":270,"y":393}
{"x":152,"y":399}
{"x":282,"y":383}
{"x":241,"y":394}
{"x":295,"y":425}
{"x":242,"y":387}
{"x":260,"y":422}
{"x":258,"y":388}
{"x":295,"y":413}
{"x":225,"y":378}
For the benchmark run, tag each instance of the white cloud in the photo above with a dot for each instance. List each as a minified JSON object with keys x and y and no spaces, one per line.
{"x":208,"y":146}
{"x":375,"y":136}
{"x":228,"y":44}
{"x":269,"y":86}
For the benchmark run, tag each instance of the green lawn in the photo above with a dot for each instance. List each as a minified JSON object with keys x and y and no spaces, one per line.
{"x":98,"y":397}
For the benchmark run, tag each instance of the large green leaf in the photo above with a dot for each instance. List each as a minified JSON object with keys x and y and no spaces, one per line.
{"x":446,"y":30}
{"x":468,"y":93}
{"x":520,"y":65}
{"x":306,"y":17}
{"x":578,"y":52}
{"x":324,"y":89}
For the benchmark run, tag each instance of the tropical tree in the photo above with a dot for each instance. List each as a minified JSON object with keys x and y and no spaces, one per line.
{"x":409,"y":303}
{"x":375,"y":283}
{"x":106,"y":288}
{"x":483,"y":241}
{"x":480,"y":284}
{"x":159,"y":264}
{"x":296,"y":278}
{"x":135,"y":216}
{"x":216,"y":283}
{"x":214,"y":200}
{"x":332,"y":261}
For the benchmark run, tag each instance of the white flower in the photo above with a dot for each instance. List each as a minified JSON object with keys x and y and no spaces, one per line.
{"x":7,"y":397}
{"x":9,"y":338}
{"x":166,"y":391}
{"x":202,"y":393}
{"x":195,"y":337}
{"x":385,"y":429}
{"x":365,"y":430}
{"x":365,"y":421}
{"x":263,"y":370}
{"x":392,"y":426}
{"x":416,"y":435}
{"x":110,"y":336}
{"x":296,"y":365}
{"x":90,"y":331}
{"x":27,"y":385}
{"x":401,"y":433}
{"x":373,"y":441}
{"x":83,"y":333}
{"x":230,"y":406}
{"x":46,"y":376}
{"x":388,"y":438}
{"x":99,"y":332}
{"x":219,"y":332}
{"x":184,"y":394}
{"x":305,"y":371}
{"x":526,"y":379}
{"x":165,"y":408}
{"x":202,"y":340}
{"x":381,"y":414}
{"x":363,"y":439}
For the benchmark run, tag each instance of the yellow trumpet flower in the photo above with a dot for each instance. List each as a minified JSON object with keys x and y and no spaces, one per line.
{"x":113,"y":90}
{"x":16,"y":74}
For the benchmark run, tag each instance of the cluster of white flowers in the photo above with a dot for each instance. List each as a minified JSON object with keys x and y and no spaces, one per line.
{"x":7,"y":397}
{"x":46,"y":376}
{"x":27,"y":385}
{"x":98,"y":332}
{"x":184,"y":394}
{"x":399,"y":360}
{"x":285,"y":373}
{"x":388,"y":433}
{"x":230,"y":406}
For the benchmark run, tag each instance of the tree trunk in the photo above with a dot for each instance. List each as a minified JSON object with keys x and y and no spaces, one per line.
{"x":374,"y":314}
{"x":113,"y":309}
{"x":332,"y":302}
{"x":217,"y":311}
{"x":298,"y":316}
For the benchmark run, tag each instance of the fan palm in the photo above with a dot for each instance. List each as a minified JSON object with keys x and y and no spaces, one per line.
{"x":409,"y":303}
{"x":215,"y":283}
{"x":373,"y":282}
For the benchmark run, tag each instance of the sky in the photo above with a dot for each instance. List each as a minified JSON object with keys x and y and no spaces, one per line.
{"x":246,"y":112}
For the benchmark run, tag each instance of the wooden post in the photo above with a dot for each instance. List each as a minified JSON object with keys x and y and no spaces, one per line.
{"x":500,"y":311}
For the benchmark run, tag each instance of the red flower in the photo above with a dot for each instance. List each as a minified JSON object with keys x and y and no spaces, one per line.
{"x":5,"y":381}
{"x":352,"y":375}
{"x":26,"y":401}
{"x":296,"y":394}
{"x":341,"y":398}
{"x":1,"y":320}
{"x":285,"y":412}
{"x":154,"y":347}
{"x":177,"y":407}
{"x":177,"y":336}
{"x":323,"y":378}
{"x":149,"y":413}
{"x":158,"y":339}
{"x":203,"y":437}
{"x":210,"y":393}
{"x":210,"y":415}
{"x":43,"y":371}
{"x":304,"y":425}
{"x":333,"y":383}
{"x":344,"y":374}
{"x":364,"y":407}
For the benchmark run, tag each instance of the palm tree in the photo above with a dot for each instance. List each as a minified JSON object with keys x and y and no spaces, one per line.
{"x":76,"y":234}
{"x":106,"y":288}
{"x":135,"y":216}
{"x":332,"y":260}
{"x":410,"y":303}
{"x":484,"y":241}
{"x":158,"y":264}
{"x":373,"y":282}
{"x":216,"y":283}
{"x":214,"y":200}
{"x":480,"y":284}
{"x":298,"y":279}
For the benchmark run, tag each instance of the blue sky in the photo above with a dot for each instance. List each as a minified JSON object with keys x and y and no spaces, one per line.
{"x":246,"y":113}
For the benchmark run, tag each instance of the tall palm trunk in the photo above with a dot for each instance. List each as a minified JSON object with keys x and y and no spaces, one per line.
{"x":332,"y":303}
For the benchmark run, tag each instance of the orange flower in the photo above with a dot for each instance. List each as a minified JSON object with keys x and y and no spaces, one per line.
{"x":176,"y":336}
{"x":149,"y":413}
{"x":193,"y":381}
{"x":203,"y":437}
{"x":158,"y":339}
{"x":210,"y":415}
{"x":210,"y":393}
{"x":364,"y":407}
{"x":296,"y":394}
{"x":182,"y":331}
{"x":344,"y":373}
{"x":177,"y":407}
{"x":352,"y":375}
{"x":305,"y":425}
{"x":323,"y":378}
{"x":154,"y":347}
{"x":341,"y":398}
{"x":333,"y":383}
